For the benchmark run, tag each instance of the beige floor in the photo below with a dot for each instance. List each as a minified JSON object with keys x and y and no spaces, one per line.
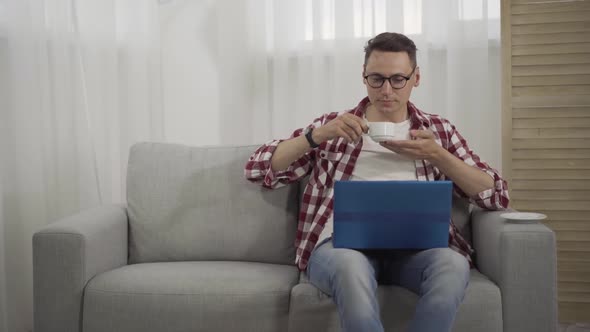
{"x":579,"y":327}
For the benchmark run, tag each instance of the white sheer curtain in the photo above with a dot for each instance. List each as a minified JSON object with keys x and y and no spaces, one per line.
{"x":286,"y":62}
{"x":80,"y":81}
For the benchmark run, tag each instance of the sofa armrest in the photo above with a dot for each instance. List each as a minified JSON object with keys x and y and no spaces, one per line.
{"x":68,"y":253}
{"x":521,"y":260}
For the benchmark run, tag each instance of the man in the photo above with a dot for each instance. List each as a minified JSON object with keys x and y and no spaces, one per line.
{"x":332,"y":148}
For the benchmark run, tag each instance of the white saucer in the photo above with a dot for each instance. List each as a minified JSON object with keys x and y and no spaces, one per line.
{"x":523,"y":217}
{"x":382,"y":138}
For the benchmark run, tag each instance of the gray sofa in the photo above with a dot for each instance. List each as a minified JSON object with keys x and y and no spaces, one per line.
{"x":199,"y":248}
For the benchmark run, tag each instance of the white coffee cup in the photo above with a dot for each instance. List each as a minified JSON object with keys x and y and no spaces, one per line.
{"x":381,"y":131}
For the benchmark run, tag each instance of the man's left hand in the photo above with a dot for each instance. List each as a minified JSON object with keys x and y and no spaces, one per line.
{"x":422,"y":146}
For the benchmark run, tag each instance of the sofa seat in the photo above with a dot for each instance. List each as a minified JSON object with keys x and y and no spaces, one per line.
{"x":481,"y":310}
{"x":190,"y":296}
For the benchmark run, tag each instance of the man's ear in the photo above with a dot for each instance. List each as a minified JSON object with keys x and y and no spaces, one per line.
{"x":363,"y":73}
{"x":417,"y":74}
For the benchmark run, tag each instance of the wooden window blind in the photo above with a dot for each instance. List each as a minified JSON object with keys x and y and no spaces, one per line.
{"x":546,"y":131}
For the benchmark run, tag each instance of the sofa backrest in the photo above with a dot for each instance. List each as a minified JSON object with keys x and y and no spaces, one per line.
{"x":461,"y":215}
{"x":193,"y":203}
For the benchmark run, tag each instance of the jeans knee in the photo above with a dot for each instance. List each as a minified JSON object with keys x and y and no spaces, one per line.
{"x":449,"y":272}
{"x":353,"y":266}
{"x":452,"y":261}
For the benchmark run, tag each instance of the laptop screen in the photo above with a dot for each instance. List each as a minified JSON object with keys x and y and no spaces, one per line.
{"x":392,"y":214}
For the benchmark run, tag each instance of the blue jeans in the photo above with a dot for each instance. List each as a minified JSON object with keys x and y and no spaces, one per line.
{"x":439,"y":277}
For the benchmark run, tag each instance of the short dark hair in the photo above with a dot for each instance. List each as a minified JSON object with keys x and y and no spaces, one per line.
{"x":391,"y":42}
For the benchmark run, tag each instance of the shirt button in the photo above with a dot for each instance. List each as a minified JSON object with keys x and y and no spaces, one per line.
{"x":323,"y":155}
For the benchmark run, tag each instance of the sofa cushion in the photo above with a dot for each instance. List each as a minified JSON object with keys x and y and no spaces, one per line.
{"x":190,"y":296}
{"x":193,"y":203}
{"x":481,"y":310}
{"x":461,"y":216}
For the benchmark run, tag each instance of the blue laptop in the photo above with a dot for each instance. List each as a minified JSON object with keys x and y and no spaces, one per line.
{"x":392,"y":214}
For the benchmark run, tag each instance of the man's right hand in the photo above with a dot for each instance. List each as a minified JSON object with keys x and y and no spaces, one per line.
{"x":348,"y":126}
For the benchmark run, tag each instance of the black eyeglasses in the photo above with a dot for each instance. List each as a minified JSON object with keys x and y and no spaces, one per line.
{"x":397,"y":81}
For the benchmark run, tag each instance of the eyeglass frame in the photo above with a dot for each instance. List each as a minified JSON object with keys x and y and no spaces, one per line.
{"x":407,"y":78}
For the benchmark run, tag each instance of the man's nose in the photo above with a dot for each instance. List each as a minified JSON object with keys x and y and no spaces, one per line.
{"x":386,"y":88}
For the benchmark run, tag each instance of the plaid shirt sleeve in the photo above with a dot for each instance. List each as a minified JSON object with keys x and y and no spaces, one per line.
{"x":258,"y":168}
{"x":495,"y":198}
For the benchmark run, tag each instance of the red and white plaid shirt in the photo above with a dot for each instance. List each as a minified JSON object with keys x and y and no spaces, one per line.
{"x":335,"y":160}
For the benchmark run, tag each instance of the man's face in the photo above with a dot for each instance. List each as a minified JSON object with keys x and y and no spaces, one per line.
{"x":386,"y":64}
